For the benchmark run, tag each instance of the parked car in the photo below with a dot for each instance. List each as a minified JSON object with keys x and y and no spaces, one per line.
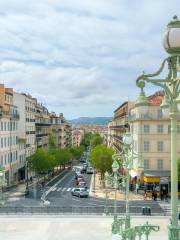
{"x":89,"y":170}
{"x":78,"y":174}
{"x":80,"y":192}
{"x":82,"y":184}
{"x":79,"y":179}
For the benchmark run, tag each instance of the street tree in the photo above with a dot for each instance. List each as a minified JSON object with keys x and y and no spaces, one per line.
{"x":96,"y":140}
{"x":101,"y":158}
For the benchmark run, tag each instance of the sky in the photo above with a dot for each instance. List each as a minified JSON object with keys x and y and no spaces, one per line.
{"x":81,"y":57}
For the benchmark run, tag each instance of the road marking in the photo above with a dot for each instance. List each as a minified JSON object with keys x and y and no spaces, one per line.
{"x":63,"y":189}
{"x":78,"y":200}
{"x":55,"y":185}
{"x":54,"y":189}
{"x":59,"y":189}
{"x":68,"y":189}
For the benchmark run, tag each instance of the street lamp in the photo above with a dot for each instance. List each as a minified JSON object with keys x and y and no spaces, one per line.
{"x":170,"y":107}
{"x":115,"y":168}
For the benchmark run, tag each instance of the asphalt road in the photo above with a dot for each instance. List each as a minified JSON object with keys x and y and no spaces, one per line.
{"x":58,"y":193}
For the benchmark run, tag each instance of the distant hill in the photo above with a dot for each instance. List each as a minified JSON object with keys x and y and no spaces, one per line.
{"x":93,"y":120}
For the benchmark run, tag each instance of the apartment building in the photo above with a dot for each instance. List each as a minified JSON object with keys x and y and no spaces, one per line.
{"x":77,"y":136}
{"x":61,"y":130}
{"x":27,"y":109}
{"x":151,"y":140}
{"x":119,"y":125}
{"x":42,"y":126}
{"x":9,"y":144}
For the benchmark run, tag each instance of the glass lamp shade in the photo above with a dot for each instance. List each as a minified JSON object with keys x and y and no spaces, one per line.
{"x":127,"y":138}
{"x":115,"y":166}
{"x":171,"y":41}
{"x":142,"y":103}
{"x":1,"y":174}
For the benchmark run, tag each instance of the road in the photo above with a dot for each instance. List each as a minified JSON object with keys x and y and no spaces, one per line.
{"x":58,"y":193}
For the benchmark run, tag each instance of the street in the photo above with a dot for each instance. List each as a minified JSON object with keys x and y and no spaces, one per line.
{"x":58,"y":193}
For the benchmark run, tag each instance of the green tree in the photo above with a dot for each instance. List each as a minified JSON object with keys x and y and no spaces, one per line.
{"x":62,"y":156}
{"x":77,"y":152}
{"x":52,"y":141}
{"x":96,"y":140}
{"x":41,"y":161}
{"x":101,"y":158}
{"x":86,"y":139}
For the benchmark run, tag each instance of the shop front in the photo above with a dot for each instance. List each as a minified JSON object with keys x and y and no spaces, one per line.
{"x":156,"y":181}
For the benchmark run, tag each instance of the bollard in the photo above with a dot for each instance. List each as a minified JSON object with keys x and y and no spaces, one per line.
{"x":143,"y":211}
{"x":148,"y":210}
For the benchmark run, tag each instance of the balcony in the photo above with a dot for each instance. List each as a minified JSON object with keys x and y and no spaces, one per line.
{"x":40,"y":135}
{"x":123,"y":127}
{"x":117,"y":147}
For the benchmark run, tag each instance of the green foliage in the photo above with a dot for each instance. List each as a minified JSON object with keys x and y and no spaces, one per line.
{"x":62,"y":156}
{"x":101,"y":158}
{"x":77,"y":152}
{"x":52,"y":140}
{"x":86,"y":139}
{"x":96,"y":140}
{"x":41,"y":161}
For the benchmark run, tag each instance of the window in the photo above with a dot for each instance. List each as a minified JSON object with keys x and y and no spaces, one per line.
{"x":159,"y":114}
{"x":146,"y":164}
{"x":146,"y":146}
{"x":160,"y":146}
{"x":160,"y":128}
{"x":146,"y":128}
{"x":159,"y":164}
{"x":169,"y":129}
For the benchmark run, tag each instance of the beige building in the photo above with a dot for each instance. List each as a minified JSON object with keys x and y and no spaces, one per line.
{"x":9,"y":143}
{"x":61,"y":130}
{"x":77,"y":136}
{"x":151,"y":140}
{"x":119,"y":125}
{"x":42,"y":126}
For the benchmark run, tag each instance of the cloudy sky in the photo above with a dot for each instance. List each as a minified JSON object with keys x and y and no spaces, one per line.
{"x":81,"y":57}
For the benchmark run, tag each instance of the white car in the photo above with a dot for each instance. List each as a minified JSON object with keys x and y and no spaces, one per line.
{"x":89,"y":170}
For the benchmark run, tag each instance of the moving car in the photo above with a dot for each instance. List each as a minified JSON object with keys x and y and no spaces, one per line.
{"x":80,"y":192}
{"x":82,"y":184}
{"x":89,"y":170}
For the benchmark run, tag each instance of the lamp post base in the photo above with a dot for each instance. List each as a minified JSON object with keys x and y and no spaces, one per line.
{"x":173,"y":232}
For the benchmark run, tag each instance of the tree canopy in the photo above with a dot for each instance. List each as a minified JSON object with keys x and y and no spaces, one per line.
{"x":101,"y":158}
{"x":96,"y":140}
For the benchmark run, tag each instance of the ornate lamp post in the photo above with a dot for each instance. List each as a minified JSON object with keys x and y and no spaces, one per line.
{"x":121,"y":225}
{"x":170,"y":107}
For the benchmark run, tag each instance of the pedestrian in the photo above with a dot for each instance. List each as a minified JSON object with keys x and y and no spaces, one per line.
{"x":145,"y":195}
{"x":137,"y":188}
{"x":162,"y":195}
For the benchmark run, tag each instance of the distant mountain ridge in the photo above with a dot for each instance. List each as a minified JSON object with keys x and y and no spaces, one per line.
{"x":91,"y":120}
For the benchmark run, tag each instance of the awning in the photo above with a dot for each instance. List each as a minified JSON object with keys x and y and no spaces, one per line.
{"x":155,"y":176}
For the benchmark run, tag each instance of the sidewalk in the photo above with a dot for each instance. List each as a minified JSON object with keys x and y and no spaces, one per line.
{"x":66,"y":228}
{"x":100,"y":192}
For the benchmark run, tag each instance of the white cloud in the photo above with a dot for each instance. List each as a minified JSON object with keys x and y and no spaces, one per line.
{"x":77,"y":54}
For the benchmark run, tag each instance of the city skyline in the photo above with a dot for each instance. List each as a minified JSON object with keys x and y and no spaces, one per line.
{"x":81,"y":58}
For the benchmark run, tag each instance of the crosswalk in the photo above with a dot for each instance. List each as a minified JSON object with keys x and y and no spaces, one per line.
{"x":60,"y":189}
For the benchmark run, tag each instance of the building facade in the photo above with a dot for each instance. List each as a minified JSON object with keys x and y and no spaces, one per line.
{"x":42,"y":126}
{"x":77,"y":136}
{"x":151,"y":140}
{"x":9,"y":143}
{"x":119,"y":125}
{"x":61,"y":130}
